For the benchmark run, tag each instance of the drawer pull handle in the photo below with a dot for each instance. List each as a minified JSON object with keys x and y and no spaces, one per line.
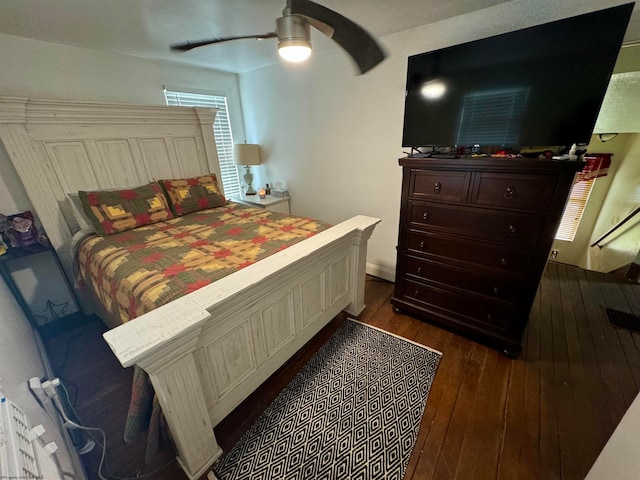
{"x":503,"y":261}
{"x":496,"y":290}
{"x":419,"y":270}
{"x":416,"y":294}
{"x":425,"y":216}
{"x":422,"y":244}
{"x":488,"y":317}
{"x":512,"y":230}
{"x":509,"y":192}
{"x":437,"y":187}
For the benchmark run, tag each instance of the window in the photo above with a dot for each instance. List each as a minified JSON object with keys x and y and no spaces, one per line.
{"x":574,"y":209}
{"x":221,"y":132}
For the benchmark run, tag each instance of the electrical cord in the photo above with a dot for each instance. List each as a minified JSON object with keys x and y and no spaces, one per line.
{"x":59,"y":370}
{"x":94,"y":438}
{"x":104,"y":446}
{"x":64,"y":473}
{"x":44,"y":404}
{"x":45,"y":407}
{"x":65,"y":357}
{"x":103,"y":458}
{"x":82,"y":427}
{"x":75,"y":389}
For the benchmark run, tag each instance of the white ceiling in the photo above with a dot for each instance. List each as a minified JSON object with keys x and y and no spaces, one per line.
{"x":146,"y":28}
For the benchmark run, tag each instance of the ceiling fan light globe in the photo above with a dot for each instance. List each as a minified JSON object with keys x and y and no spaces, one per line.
{"x":294,"y":53}
{"x":294,"y":38}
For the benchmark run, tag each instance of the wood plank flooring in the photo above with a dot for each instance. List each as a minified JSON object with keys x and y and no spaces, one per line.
{"x":545,"y":415}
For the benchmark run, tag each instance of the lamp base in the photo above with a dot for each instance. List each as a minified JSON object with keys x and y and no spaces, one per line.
{"x":248,"y":179}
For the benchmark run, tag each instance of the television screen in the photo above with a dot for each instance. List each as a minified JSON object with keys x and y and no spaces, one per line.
{"x":541,"y":86}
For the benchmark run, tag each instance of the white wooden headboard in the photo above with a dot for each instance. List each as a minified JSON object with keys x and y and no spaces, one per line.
{"x":59,"y":147}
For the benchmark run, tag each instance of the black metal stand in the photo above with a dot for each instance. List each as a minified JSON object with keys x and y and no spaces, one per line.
{"x":14,"y":253}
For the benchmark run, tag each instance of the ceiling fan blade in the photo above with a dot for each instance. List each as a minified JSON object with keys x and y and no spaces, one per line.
{"x":318,"y":25}
{"x":355,"y":40}
{"x":184,"y":47}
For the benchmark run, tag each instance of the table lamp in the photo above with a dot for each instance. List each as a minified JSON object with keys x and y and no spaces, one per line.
{"x":247,"y":154}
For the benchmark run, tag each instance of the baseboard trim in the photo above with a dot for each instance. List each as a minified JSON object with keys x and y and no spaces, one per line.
{"x":381,"y":272}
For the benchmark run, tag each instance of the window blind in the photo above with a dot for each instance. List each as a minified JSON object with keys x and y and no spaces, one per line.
{"x":221,"y":132}
{"x":574,"y":209}
{"x":492,"y":118}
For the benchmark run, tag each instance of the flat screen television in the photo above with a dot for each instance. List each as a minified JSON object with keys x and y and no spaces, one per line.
{"x":540,"y":86}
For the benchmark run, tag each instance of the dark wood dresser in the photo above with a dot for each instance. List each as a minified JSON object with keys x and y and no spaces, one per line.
{"x":474,"y":238}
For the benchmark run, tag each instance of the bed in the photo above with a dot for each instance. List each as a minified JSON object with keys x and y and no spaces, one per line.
{"x":207,"y":350}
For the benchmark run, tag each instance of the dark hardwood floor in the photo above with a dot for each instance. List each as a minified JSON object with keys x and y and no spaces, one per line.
{"x":545,"y":415}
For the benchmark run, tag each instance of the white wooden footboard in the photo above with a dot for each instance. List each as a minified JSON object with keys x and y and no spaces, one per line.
{"x":207,"y":351}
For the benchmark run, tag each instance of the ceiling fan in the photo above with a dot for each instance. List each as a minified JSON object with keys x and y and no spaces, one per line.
{"x":294,"y":35}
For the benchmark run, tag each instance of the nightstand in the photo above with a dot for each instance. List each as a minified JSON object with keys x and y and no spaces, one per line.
{"x":57,"y":306}
{"x":273,"y":204}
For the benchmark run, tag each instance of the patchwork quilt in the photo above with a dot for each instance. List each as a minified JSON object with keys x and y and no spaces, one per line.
{"x":135,"y":271}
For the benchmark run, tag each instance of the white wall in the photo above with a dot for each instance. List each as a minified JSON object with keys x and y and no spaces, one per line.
{"x":335,"y":137}
{"x":36,"y":69}
{"x":20,"y":360}
{"x":13,"y":197}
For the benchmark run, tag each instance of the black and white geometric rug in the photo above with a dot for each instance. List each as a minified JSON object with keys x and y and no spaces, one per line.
{"x":352,"y":412}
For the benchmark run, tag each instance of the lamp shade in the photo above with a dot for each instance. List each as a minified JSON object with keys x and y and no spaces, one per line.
{"x":246,"y":154}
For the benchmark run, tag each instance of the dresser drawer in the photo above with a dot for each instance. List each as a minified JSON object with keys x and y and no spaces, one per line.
{"x":465,"y":252}
{"x":520,"y":191}
{"x":473,"y":281}
{"x":439,"y":186}
{"x":511,"y":228}
{"x":494,"y":315}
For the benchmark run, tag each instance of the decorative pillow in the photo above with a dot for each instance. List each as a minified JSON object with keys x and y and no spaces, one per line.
{"x":188,"y":195}
{"x":75,"y":205}
{"x":119,"y":210}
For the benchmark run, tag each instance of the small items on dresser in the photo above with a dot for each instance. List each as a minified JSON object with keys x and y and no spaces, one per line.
{"x":20,"y":231}
{"x":279,"y":191}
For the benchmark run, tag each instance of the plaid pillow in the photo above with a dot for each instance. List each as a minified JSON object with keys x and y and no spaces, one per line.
{"x":188,"y":195}
{"x":113,"y":211}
